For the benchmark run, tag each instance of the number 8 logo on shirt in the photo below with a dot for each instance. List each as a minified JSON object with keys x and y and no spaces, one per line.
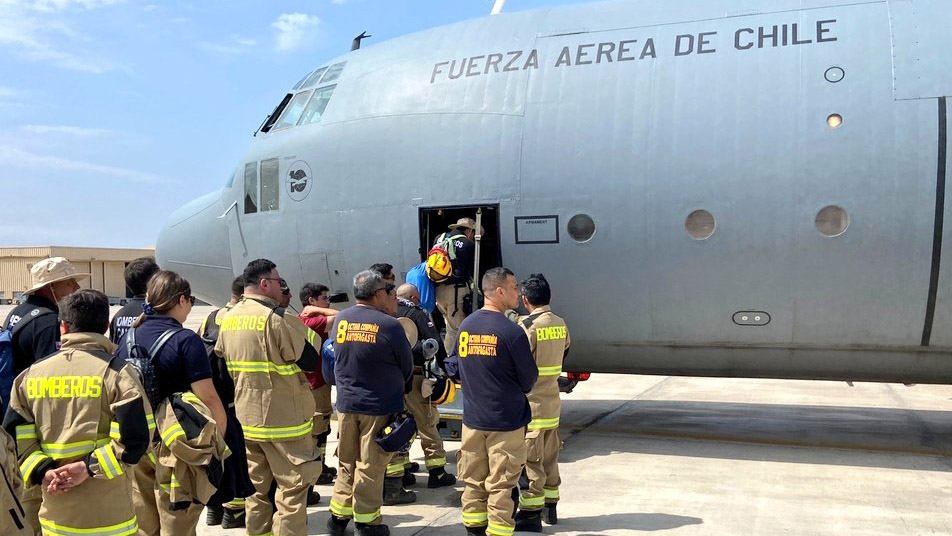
{"x":341,"y":331}
{"x":463,"y":344}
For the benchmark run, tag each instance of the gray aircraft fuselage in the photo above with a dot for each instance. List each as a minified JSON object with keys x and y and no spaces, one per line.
{"x":638,"y":114}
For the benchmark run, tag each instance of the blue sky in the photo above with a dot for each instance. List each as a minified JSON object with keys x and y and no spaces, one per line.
{"x":113,"y":113}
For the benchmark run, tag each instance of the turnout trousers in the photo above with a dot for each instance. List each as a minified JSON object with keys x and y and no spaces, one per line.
{"x":152,"y":505}
{"x":449,"y":300}
{"x":322,"y":417}
{"x":358,"y":491}
{"x":290,"y":464}
{"x":489,"y":465}
{"x":542,"y":469}
{"x":31,"y":499}
{"x":427,"y":417}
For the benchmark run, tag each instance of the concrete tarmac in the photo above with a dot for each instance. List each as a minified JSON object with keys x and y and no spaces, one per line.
{"x":685,"y":456}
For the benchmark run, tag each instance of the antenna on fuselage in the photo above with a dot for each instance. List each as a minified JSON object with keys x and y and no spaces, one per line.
{"x":497,"y":7}
{"x":356,"y":44}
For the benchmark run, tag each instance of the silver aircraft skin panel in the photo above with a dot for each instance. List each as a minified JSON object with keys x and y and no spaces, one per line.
{"x":637,"y":114}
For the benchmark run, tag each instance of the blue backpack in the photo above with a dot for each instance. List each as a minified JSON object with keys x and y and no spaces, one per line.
{"x":418,"y":278}
{"x":327,"y":362}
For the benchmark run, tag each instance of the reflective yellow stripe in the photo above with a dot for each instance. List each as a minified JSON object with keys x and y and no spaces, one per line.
{"x":264,"y":433}
{"x":551,"y":493}
{"x":235,"y":504}
{"x":152,"y":457}
{"x":435,"y":462}
{"x":172,"y":433}
{"x":110,"y":466}
{"x":366,"y":518}
{"x":120,"y":529}
{"x":29,"y":465}
{"x":500,"y":530}
{"x":60,"y":451}
{"x":531,"y":501}
{"x":340,"y":510}
{"x":262,"y":367}
{"x":544,"y":424}
{"x":311,"y":335}
{"x":550,"y":371}
{"x":26,"y":431}
{"x":395,"y":469}
{"x":475,"y":518}
{"x":173,"y":483}
{"x":150,"y":420}
{"x":263,"y":534}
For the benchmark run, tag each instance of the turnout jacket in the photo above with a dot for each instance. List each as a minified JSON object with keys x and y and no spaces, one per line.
{"x":262,"y":346}
{"x":191,"y":452}
{"x":549,"y":341}
{"x":81,"y":403}
{"x":426,"y":330}
{"x":12,"y":515}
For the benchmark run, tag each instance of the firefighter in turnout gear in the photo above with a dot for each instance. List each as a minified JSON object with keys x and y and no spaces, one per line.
{"x":492,"y":358}
{"x":425,"y":413}
{"x":549,"y":341}
{"x":265,"y":351}
{"x":81,"y":422}
{"x":373,"y":366}
{"x":450,"y":294}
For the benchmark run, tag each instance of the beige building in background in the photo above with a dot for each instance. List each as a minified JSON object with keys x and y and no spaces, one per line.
{"x":105,"y":264}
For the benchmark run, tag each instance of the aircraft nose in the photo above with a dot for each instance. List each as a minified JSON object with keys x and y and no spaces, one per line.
{"x":194,"y":243}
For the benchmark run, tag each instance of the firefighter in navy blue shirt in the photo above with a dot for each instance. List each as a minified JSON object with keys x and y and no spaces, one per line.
{"x":493,"y":360}
{"x":373,"y":365}
{"x":137,"y":275}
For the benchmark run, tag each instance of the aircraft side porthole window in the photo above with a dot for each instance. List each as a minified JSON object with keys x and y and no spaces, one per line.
{"x":316,"y":106}
{"x":293,"y":111}
{"x":834,"y":74}
{"x":832,"y":221}
{"x":251,"y":187}
{"x":834,"y":120}
{"x":700,"y":224}
{"x":581,"y":227}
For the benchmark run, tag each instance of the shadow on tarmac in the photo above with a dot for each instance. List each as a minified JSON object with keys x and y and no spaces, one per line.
{"x":629,"y":521}
{"x":885,"y":431}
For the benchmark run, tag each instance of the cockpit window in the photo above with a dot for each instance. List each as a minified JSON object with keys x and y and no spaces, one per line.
{"x":293,"y":111}
{"x":333,"y":72}
{"x":251,"y":187}
{"x":300,"y":83}
{"x":269,"y":122}
{"x":316,"y":106}
{"x":269,"y":185}
{"x":311,"y":80}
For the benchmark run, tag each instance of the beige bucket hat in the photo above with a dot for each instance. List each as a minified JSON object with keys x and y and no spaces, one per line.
{"x":467,"y":223}
{"x":52,"y":270}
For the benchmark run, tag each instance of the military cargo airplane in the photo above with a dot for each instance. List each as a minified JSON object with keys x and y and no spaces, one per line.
{"x":737,"y":188}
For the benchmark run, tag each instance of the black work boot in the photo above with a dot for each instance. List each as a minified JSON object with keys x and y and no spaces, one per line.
{"x":393,"y":492}
{"x":439,"y":478}
{"x":409,"y":479}
{"x":476,"y":531}
{"x":412,"y":466}
{"x":372,"y":530}
{"x":213,"y":515}
{"x":549,"y":514}
{"x":328,"y":474}
{"x":313,"y":497}
{"x":336,"y":526}
{"x":233,"y":519}
{"x":529,"y":521}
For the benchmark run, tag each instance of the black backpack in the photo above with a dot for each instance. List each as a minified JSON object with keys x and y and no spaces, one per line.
{"x":141,"y":361}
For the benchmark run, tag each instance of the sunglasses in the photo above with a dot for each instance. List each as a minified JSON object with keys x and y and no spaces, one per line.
{"x":191,"y":299}
{"x":388,"y":287}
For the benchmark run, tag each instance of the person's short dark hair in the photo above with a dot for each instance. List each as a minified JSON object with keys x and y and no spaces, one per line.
{"x":494,"y":278}
{"x":536,"y":290}
{"x":256,"y":270}
{"x":312,"y":290}
{"x":138,"y":272}
{"x":85,"y":310}
{"x":384,"y":269}
{"x":367,"y":283}
{"x":238,"y":287}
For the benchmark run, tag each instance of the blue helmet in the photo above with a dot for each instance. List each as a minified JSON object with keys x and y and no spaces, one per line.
{"x":327,"y":362}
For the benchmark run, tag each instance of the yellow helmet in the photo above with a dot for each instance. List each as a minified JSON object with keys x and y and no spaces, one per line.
{"x":444,"y":392}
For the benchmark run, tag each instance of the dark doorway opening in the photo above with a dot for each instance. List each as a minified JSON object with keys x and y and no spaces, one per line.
{"x":436,"y":220}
